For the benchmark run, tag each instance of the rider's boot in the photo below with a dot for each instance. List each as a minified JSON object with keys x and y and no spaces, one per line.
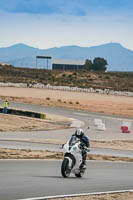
{"x":83,"y":164}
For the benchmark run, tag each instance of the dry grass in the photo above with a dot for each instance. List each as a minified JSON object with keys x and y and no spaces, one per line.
{"x":40,"y":154}
{"x":19,"y":123}
{"x":114,"y":196}
{"x":28,"y":154}
{"x":114,"y":144}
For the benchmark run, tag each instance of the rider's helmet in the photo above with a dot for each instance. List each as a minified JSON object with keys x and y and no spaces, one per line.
{"x":79,"y":133}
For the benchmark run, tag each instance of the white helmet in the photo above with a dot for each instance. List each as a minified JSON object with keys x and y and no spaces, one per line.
{"x":79,"y":133}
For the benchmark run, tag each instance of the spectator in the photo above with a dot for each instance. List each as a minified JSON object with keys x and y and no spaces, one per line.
{"x":5,"y":106}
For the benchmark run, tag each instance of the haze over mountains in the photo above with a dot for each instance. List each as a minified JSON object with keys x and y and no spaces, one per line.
{"x":118,"y":57}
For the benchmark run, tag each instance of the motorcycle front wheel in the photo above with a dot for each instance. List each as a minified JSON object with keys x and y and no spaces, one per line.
{"x":65,"y":171}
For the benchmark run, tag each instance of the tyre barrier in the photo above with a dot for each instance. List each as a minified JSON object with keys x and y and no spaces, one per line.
{"x":67,"y":88}
{"x":25,"y":113}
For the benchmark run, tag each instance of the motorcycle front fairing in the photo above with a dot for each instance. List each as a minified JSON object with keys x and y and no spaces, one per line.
{"x":73,"y":154}
{"x":78,"y":157}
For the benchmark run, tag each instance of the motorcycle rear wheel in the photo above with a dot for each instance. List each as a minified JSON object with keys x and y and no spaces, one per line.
{"x":65,"y":171}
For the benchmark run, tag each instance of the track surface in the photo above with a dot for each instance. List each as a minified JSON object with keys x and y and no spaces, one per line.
{"x":27,"y":179}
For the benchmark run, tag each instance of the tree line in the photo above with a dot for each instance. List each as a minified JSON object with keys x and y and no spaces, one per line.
{"x":98,"y":64}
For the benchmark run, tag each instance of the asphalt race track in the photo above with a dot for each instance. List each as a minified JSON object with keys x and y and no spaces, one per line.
{"x":21,"y":179}
{"x":36,"y":178}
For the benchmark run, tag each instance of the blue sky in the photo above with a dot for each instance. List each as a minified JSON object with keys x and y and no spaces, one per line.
{"x":54,"y":23}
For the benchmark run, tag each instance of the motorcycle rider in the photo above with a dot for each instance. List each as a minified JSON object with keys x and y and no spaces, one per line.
{"x":85,"y":144}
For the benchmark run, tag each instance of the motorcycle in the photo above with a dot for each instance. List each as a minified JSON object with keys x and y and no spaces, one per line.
{"x":72,"y":159}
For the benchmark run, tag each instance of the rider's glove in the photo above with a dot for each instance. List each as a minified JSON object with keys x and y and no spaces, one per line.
{"x":80,"y":146}
{"x":87,"y":149}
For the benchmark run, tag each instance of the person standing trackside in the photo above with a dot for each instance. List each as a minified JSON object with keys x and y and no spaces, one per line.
{"x":5,"y":106}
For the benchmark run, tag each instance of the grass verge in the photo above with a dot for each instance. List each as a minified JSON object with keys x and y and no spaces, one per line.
{"x":40,"y":154}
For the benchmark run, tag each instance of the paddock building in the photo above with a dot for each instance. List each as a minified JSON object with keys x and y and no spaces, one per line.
{"x":67,"y":67}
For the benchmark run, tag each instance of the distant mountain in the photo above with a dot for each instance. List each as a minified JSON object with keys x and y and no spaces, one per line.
{"x":21,"y":55}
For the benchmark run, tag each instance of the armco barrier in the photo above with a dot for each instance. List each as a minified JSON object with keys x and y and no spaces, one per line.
{"x":25,"y":113}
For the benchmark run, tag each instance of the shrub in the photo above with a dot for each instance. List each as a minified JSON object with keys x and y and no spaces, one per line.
{"x":74,"y":74}
{"x":107,"y":77}
{"x":47,"y":98}
{"x":63,"y":75}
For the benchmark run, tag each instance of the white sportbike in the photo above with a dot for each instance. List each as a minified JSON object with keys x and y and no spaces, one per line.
{"x":72,"y":159}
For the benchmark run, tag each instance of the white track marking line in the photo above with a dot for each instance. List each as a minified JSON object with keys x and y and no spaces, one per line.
{"x":82,"y":114}
{"x":76,"y":195}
